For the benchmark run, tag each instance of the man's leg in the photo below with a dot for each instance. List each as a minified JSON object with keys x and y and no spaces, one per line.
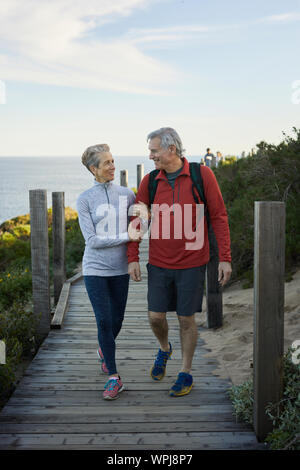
{"x":188,"y":337}
{"x":159,"y":326}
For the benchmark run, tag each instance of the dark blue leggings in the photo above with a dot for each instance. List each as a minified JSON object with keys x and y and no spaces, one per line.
{"x":108,"y":296}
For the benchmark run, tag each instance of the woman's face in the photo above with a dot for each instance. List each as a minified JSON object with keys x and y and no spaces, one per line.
{"x":106,"y":169}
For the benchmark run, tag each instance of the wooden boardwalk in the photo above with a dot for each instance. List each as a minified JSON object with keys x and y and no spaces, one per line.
{"x":58,"y":404}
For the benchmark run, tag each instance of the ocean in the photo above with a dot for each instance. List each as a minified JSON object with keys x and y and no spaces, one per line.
{"x":20,"y":174}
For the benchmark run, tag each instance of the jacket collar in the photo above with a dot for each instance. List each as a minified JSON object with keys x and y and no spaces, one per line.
{"x":102,"y":185}
{"x":185,"y":170}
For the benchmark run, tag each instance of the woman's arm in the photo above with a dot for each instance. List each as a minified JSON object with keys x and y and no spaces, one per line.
{"x":88,"y":230}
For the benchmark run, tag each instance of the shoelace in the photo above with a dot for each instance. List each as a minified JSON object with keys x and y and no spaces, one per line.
{"x":162,"y":358}
{"x":111,"y":384}
{"x":178,"y":384}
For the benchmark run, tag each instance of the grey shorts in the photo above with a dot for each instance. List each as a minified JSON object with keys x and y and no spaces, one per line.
{"x":179,"y":290}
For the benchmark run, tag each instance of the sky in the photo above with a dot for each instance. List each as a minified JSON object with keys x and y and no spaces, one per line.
{"x":74,"y":73}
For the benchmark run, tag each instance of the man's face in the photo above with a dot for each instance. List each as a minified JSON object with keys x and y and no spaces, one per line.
{"x":161,"y":157}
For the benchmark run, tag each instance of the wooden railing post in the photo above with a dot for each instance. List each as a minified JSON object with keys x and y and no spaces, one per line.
{"x":140,"y":174}
{"x":40,"y":258}
{"x":269,"y":270}
{"x":58,"y":233}
{"x":124,"y":178}
{"x":214,"y":302}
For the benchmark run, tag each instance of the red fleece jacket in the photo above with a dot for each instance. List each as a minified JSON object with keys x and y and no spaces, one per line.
{"x":171,"y":252}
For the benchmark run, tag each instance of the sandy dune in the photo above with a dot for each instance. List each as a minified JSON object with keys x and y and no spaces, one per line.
{"x":232,"y":344}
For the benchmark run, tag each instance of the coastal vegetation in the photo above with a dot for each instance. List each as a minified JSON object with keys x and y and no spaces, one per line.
{"x":18,"y":324}
{"x":285,"y":415}
{"x":270,"y":173}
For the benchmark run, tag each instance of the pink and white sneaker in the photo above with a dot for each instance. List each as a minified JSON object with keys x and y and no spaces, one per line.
{"x":113,"y":388}
{"x":103,"y":365}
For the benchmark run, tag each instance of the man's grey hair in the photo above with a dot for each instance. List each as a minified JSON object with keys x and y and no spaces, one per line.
{"x":92,"y":155}
{"x":168,"y":136}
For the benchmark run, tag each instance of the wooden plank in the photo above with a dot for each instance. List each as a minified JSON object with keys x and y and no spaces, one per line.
{"x":58,"y":403}
{"x":139,"y":174}
{"x":32,"y":386}
{"x":216,"y":410}
{"x":77,"y":277}
{"x":124,"y":178}
{"x":269,"y":272}
{"x":58,"y":235}
{"x":213,"y":440}
{"x":40,"y":259}
{"x":58,"y":428}
{"x":61,"y":307}
{"x":129,"y":397}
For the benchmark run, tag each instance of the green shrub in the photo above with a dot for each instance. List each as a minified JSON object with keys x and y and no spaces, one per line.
{"x":271,"y":174}
{"x":18,"y":331}
{"x":18,"y":327}
{"x":15,"y":284}
{"x":285,"y":415}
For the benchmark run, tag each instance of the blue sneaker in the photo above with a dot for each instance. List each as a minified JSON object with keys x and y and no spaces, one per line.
{"x":159,"y":369}
{"x":182,"y":386}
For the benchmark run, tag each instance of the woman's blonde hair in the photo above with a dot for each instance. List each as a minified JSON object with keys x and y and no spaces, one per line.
{"x":91,"y":156}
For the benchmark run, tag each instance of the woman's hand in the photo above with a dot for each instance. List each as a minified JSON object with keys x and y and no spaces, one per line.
{"x":141,"y":210}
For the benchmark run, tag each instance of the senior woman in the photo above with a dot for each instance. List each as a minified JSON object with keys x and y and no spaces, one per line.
{"x":103,"y":218}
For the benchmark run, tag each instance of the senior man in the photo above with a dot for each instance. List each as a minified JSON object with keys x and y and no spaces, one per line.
{"x":176,"y":267}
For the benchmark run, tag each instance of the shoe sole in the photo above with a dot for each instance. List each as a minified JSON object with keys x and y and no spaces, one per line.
{"x":156,"y":378}
{"x":117,"y":396}
{"x":181,"y":394}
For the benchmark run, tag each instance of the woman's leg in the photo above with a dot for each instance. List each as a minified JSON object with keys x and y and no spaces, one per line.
{"x":99,"y":294}
{"x":119,"y":293}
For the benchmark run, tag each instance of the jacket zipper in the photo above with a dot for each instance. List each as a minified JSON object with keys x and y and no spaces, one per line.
{"x":106,"y":194}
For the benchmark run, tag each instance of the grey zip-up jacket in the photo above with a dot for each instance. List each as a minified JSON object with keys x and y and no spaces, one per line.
{"x":103,"y":219}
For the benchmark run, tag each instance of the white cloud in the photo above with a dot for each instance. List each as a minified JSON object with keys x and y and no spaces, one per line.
{"x":59,"y":42}
{"x":282,"y":18}
{"x":53,"y":43}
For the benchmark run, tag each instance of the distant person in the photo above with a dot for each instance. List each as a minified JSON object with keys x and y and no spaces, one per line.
{"x":208,"y":158}
{"x":220,"y":158}
{"x":105,"y":266}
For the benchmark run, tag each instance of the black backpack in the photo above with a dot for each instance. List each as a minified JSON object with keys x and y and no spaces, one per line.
{"x":195,"y":171}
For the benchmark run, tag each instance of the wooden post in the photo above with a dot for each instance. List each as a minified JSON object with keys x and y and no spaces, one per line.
{"x":124,"y":178}
{"x":40,"y":258}
{"x":140,"y":174}
{"x":269,"y":269}
{"x":214,"y":301}
{"x":58,"y":233}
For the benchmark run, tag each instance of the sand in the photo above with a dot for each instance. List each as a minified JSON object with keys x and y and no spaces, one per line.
{"x":232,"y":344}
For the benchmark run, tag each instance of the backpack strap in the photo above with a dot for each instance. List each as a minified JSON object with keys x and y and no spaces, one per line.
{"x":196,"y":177}
{"x":152,"y":185}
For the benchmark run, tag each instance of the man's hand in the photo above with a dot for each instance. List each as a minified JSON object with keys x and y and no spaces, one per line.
{"x":224,"y":272}
{"x":134,"y":271}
